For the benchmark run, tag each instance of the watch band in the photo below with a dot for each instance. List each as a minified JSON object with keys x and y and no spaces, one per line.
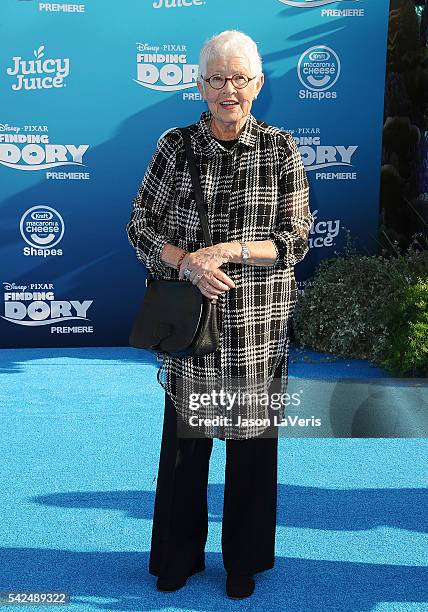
{"x":245,"y":253}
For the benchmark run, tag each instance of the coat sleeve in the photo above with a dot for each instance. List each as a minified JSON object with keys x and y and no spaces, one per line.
{"x":151,"y":217}
{"x":290,"y":237}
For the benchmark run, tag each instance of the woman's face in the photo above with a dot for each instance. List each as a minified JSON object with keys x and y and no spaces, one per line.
{"x":229,"y":105}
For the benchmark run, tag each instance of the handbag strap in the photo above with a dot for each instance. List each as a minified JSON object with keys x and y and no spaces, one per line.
{"x":194,"y":175}
{"x":196,"y":185}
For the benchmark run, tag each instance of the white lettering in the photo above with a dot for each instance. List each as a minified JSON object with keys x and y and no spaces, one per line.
{"x":172,"y":76}
{"x":33,"y":154}
{"x":342,"y":13}
{"x":21,"y":68}
{"x":72,"y":330}
{"x":40,"y":310}
{"x":157,"y":4}
{"x":326,"y":155}
{"x":64,"y":8}
{"x":68,"y":175}
{"x":334,"y":176}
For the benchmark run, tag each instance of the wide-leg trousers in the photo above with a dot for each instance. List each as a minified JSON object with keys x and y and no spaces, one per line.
{"x":180,"y":518}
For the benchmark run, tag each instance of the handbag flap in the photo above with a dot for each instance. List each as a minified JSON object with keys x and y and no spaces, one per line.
{"x":169,"y":316}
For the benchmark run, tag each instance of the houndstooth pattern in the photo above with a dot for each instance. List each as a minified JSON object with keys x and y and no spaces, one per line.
{"x":257,"y":190}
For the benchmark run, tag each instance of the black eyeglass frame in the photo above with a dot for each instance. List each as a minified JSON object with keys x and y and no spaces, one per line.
{"x":226,"y":79}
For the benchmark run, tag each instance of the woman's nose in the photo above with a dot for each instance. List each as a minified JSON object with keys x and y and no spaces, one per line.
{"x":229,"y":87}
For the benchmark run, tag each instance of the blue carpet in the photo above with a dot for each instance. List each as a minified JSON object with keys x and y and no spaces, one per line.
{"x":80,"y":440}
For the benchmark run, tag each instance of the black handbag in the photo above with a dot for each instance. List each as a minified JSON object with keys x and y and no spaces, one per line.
{"x":175,"y":318}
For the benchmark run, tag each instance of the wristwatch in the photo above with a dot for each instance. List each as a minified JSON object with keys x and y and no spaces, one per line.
{"x":245,"y":253}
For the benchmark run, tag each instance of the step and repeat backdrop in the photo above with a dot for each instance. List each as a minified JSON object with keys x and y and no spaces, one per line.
{"x":86,"y":90}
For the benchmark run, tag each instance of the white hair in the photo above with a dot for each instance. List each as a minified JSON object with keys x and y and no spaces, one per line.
{"x":229,"y":43}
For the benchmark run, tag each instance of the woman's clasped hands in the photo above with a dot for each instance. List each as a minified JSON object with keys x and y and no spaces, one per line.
{"x":204,"y":265}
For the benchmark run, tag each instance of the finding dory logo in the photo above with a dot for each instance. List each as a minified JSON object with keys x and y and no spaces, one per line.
{"x":312,"y":3}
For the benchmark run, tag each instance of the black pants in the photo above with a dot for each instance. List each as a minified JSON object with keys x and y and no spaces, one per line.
{"x":180,"y":519}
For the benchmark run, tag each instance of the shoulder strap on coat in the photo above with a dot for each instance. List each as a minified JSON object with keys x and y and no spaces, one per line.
{"x":196,"y":186}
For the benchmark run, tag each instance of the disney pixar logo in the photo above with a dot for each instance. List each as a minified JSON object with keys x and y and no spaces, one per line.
{"x":165,"y":67}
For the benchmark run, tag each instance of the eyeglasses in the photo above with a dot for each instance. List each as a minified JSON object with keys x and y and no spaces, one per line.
{"x":218,"y":81}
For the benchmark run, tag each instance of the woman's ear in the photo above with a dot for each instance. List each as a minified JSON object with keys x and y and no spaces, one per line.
{"x":201,"y":89}
{"x":259,"y":84}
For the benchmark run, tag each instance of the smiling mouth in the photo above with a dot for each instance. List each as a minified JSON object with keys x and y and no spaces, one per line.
{"x":228,"y":103}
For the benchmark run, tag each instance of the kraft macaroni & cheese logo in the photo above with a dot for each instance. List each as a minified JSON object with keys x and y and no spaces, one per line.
{"x":318,"y":70}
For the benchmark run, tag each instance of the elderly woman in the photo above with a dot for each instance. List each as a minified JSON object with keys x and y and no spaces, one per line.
{"x":256,"y":193}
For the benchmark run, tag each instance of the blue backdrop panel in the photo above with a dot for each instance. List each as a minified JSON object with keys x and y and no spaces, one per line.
{"x":86,"y":90}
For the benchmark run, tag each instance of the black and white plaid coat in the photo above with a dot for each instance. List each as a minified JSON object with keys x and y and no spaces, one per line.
{"x":257,"y":190}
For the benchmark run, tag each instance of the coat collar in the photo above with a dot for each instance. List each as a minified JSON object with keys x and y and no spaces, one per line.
{"x":211,"y":146}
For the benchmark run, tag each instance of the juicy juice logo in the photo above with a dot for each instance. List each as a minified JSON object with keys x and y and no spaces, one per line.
{"x":29,"y":73}
{"x":311,"y":3}
{"x":176,"y":3}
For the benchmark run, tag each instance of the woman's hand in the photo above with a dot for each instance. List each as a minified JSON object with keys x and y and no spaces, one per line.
{"x":206,"y":275}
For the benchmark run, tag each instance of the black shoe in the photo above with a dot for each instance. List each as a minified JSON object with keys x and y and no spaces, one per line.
{"x":238,"y":587}
{"x":173,"y":583}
